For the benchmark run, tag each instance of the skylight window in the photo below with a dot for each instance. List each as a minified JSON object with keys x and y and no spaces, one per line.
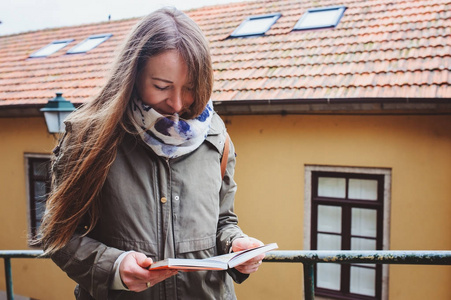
{"x":51,"y":48}
{"x":256,"y":25}
{"x":324,"y":17}
{"x":89,"y":44}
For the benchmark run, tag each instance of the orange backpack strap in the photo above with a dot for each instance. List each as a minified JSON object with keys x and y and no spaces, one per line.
{"x":225,"y":155}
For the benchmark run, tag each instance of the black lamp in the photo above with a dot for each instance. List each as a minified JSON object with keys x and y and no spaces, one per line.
{"x":55,"y":112}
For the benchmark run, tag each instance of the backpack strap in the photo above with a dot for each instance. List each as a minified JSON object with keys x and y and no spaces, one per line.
{"x":225,"y":154}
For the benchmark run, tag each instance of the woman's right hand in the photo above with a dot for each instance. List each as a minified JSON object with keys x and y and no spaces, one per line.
{"x":135,"y":274}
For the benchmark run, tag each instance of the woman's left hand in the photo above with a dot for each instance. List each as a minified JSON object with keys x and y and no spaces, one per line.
{"x":245,"y":243}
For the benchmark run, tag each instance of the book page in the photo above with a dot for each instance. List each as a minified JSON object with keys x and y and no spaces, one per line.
{"x":220,"y":262}
{"x":248,"y":254}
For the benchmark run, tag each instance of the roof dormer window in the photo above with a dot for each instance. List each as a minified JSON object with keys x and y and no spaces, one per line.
{"x":324,"y":17}
{"x":89,"y":44}
{"x":51,"y":48}
{"x":255,"y":25}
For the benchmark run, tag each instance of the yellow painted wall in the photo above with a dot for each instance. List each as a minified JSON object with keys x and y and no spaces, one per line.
{"x":37,"y":278}
{"x":271,"y":154}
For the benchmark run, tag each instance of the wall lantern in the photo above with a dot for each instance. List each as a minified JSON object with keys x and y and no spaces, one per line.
{"x":56,"y":111}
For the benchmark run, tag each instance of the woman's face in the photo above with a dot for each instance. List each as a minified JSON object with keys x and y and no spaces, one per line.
{"x":163,"y":84}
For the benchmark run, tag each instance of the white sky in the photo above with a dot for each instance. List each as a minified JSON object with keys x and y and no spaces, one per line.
{"x":26,"y":15}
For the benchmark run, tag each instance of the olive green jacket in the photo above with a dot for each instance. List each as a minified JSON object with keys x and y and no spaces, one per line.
{"x":163,"y":208}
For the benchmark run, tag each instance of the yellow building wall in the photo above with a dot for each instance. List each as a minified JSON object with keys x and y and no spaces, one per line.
{"x":272,"y":152}
{"x":36,"y":278}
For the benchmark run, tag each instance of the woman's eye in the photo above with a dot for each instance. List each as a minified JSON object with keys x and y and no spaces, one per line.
{"x":161,"y":88}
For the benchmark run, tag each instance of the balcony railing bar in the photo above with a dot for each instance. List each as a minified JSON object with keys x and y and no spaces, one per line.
{"x":370,"y":257}
{"x":308,"y":258}
{"x":7,"y":255}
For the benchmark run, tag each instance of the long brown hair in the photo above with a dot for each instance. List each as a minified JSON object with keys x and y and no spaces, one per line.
{"x":94,"y":131}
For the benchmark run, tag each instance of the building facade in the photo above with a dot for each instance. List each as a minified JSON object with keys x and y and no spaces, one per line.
{"x":342,"y":135}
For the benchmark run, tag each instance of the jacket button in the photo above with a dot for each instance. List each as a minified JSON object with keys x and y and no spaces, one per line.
{"x":163,"y":200}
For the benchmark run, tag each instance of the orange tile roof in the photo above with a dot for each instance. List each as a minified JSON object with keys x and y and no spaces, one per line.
{"x":380,"y":49}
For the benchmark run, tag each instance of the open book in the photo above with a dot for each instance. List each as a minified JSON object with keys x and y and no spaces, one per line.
{"x":221,"y":262}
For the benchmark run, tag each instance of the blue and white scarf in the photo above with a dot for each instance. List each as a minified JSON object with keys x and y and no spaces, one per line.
{"x":170,"y":136}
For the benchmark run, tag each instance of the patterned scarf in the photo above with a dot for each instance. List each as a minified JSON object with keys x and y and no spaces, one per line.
{"x":170,"y":136}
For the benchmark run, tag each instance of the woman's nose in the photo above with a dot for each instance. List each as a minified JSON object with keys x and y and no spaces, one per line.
{"x":175,"y":102}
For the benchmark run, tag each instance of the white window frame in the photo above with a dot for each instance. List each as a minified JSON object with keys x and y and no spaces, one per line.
{"x":41,"y":52}
{"x":340,"y":11}
{"x":272,"y":18}
{"x":79,"y":47}
{"x":309,"y":169}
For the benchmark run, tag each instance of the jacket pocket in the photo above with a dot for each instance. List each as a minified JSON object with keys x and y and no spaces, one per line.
{"x":148,"y":248}
{"x":196,"y":245}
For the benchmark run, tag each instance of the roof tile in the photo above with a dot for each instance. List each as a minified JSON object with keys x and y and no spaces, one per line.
{"x":380,"y":49}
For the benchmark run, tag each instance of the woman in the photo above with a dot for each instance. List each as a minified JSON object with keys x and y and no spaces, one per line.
{"x":137,"y":175}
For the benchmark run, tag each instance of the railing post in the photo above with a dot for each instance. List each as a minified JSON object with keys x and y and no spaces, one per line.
{"x":309,"y":284}
{"x":9,"y":279}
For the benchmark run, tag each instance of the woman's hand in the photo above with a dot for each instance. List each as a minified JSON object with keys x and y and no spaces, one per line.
{"x":245,"y":243}
{"x":135,"y":274}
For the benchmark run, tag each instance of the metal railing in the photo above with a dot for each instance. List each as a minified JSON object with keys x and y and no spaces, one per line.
{"x":312,"y":257}
{"x":7,"y":255}
{"x":307,"y":258}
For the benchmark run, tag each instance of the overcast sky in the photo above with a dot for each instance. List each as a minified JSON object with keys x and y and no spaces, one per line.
{"x":25,"y":15}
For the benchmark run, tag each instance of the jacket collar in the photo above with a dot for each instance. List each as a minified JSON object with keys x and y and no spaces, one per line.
{"x":216,"y":134}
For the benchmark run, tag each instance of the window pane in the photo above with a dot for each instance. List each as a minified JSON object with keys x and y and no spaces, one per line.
{"x":329,"y":218}
{"x":331,"y":187}
{"x":363,"y":281}
{"x":40,"y":209}
{"x":40,"y":169}
{"x":364,"y":222}
{"x":38,"y":179}
{"x":363,"y":189}
{"x":329,"y":242}
{"x":49,"y":49}
{"x":39,"y":190}
{"x":255,"y":26}
{"x":38,"y":225}
{"x":328,"y":276}
{"x":89,"y":44}
{"x":321,"y":18}
{"x":363,"y":244}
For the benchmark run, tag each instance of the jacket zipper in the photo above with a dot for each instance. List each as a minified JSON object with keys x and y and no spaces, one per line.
{"x":169,"y":197}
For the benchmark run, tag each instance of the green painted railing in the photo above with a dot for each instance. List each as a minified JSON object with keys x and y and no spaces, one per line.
{"x":307,"y":258}
{"x":310,"y":258}
{"x":7,"y":255}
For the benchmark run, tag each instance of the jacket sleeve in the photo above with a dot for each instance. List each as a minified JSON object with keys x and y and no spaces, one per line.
{"x":89,"y":263}
{"x":228,"y":229}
